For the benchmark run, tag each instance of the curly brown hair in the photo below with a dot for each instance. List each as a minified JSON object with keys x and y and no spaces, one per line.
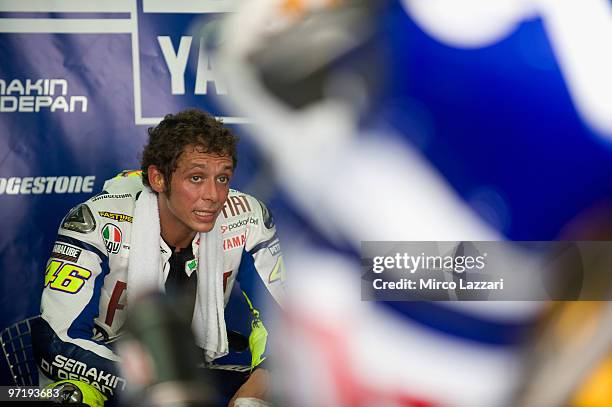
{"x":167,"y":141}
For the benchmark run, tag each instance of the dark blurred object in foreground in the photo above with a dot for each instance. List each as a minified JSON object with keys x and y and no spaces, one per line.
{"x":160,"y":359}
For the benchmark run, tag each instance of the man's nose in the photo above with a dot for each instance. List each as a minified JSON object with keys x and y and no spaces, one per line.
{"x":209,"y":192}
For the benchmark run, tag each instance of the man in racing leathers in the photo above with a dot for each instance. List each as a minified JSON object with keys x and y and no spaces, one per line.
{"x":187,"y":163}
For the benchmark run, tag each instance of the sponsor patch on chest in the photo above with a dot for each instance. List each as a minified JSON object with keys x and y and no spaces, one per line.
{"x":234,"y":242}
{"x":112,"y":237}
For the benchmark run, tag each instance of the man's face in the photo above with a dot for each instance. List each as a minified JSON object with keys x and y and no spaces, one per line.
{"x":199,"y":188}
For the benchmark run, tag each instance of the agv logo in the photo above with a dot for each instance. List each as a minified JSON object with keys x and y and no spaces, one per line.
{"x":112,"y":238}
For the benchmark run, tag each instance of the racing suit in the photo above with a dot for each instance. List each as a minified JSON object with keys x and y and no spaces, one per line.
{"x":84,"y":301}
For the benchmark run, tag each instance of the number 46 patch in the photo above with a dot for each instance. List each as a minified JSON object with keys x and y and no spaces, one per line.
{"x":65,"y":276}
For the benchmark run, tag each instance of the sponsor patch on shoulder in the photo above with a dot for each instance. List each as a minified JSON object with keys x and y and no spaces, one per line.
{"x":268,"y":219}
{"x":119,"y":217}
{"x":64,"y":251}
{"x":107,"y":196}
{"x":79,"y":219}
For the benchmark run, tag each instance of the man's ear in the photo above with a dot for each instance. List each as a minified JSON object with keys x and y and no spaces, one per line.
{"x":156,"y":179}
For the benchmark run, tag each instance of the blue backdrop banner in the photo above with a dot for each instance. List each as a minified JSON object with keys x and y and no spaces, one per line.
{"x":81,"y":81}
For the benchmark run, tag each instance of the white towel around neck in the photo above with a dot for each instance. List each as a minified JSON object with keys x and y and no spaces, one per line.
{"x":145,"y":274}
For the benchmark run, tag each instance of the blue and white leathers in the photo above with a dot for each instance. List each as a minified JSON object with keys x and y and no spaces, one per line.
{"x":84,"y":302}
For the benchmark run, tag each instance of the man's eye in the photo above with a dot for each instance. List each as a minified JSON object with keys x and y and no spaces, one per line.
{"x":196,"y":178}
{"x":223,"y":179}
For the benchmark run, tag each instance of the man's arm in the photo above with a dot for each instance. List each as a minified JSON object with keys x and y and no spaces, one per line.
{"x":256,"y":387}
{"x":74,"y":276}
{"x":261,"y":277}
